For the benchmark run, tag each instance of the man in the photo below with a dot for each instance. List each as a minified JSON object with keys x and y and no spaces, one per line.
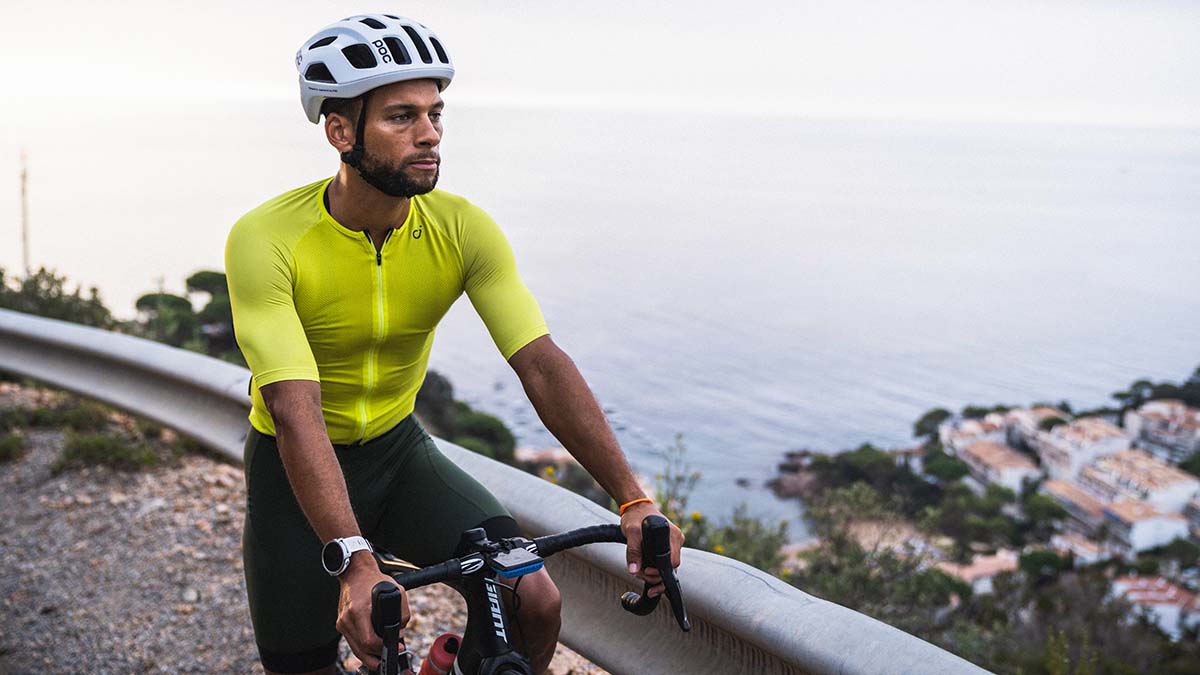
{"x":337,"y":288}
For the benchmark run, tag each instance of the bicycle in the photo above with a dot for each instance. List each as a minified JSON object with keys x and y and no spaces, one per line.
{"x":484,"y":648}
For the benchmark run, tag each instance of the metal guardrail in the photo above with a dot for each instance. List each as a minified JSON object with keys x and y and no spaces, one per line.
{"x":743,"y":620}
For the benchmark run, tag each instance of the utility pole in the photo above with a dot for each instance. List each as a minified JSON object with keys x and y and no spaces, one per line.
{"x":25,"y":214}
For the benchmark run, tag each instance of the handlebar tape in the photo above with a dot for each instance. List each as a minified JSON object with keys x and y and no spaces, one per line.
{"x":554,"y":543}
{"x":434,"y":574}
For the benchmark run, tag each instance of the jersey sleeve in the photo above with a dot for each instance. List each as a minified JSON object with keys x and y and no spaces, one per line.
{"x":501,"y":299}
{"x":268,"y":330}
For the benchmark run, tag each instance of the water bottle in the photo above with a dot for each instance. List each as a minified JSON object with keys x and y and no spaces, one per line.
{"x":440,"y":659}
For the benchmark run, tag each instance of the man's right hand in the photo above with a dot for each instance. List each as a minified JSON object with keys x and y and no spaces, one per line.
{"x":354,"y":607}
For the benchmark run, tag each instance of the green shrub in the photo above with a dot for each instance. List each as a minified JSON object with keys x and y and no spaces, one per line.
{"x":476,"y":445}
{"x":12,"y":447}
{"x":13,"y":418}
{"x":490,"y":430}
{"x":84,"y":417}
{"x":103,"y":450}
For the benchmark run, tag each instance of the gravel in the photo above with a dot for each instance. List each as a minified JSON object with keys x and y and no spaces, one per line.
{"x":112,"y":572}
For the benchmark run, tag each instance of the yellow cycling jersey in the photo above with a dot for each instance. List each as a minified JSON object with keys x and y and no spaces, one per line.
{"x":312,"y":300}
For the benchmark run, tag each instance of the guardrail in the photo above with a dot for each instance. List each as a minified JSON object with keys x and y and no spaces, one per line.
{"x":743,"y":620}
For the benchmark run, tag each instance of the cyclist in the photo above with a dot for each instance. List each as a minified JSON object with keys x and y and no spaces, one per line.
{"x":337,"y":288}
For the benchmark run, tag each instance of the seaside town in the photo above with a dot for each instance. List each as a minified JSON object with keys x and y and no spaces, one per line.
{"x":1120,"y":486}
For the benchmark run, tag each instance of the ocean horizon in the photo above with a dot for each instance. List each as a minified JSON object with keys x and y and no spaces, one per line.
{"x":757,"y":285}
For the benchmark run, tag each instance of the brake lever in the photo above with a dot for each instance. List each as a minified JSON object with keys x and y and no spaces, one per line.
{"x":386,"y":609}
{"x":656,"y":553}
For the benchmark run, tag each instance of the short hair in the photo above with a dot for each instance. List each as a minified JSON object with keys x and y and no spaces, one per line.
{"x":346,"y":107}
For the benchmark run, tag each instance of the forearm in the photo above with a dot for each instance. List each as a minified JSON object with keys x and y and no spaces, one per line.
{"x":569,"y":410}
{"x":309,"y":460}
{"x":316,"y":478}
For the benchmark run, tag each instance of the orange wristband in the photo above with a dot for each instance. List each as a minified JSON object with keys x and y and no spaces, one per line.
{"x":639,"y":500}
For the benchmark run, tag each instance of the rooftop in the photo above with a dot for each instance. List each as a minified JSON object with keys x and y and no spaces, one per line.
{"x":1154,"y":591}
{"x":1172,"y":411}
{"x":998,"y":456}
{"x":1071,"y":492}
{"x":982,"y":566}
{"x":1142,"y":470}
{"x":1133,"y":511}
{"x":1088,"y":430}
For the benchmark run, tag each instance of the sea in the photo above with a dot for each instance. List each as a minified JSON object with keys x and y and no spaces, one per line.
{"x":740,"y":285}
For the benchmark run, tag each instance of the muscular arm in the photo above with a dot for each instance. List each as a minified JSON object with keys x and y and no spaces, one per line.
{"x":569,"y":410}
{"x":307,"y":455}
{"x":316,"y":479}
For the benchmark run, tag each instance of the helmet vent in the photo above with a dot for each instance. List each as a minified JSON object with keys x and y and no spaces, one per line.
{"x":399,"y":53}
{"x":422,"y":49}
{"x":322,"y":42}
{"x":373,"y":23}
{"x":360,"y":56}
{"x":317,"y":72}
{"x":392,"y":16}
{"x":437,"y":47}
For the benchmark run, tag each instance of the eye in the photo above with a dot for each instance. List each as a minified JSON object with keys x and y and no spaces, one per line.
{"x":435,"y":116}
{"x":400,"y":117}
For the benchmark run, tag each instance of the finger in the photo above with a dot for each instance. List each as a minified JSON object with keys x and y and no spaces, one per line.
{"x":651,"y":575}
{"x":633,"y":550}
{"x":656,"y":591}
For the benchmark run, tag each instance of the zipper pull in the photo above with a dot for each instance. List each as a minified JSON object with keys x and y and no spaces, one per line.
{"x":379,"y":258}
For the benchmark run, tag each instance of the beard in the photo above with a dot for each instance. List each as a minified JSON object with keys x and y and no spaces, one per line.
{"x":391,"y":180}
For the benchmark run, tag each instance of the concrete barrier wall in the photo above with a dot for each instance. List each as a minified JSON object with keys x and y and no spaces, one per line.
{"x":743,"y":620}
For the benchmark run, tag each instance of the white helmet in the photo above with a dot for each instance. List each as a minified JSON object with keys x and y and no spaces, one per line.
{"x":359,"y":53}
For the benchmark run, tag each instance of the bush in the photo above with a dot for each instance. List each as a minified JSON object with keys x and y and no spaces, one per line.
{"x":84,"y":417}
{"x":490,"y":430}
{"x":476,"y":445}
{"x":748,"y":539}
{"x":45,"y":293}
{"x":109,"y":450}
{"x":943,"y":467}
{"x":12,"y":447}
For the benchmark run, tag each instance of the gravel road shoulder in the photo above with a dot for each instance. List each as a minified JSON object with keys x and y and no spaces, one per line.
{"x":114,"y":572}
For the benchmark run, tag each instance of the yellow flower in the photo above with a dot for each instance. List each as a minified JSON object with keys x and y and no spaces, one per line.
{"x":696,"y":516}
{"x":719,"y":549}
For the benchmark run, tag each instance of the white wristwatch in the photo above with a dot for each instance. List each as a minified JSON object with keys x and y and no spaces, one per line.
{"x":336,"y":554}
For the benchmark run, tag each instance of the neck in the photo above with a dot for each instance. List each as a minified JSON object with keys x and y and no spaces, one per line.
{"x":360,"y":207}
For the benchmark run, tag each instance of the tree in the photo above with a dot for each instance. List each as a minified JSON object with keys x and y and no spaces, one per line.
{"x":943,"y":467}
{"x":894,"y":586}
{"x":927,"y":426}
{"x":45,"y":293}
{"x":169,"y":319}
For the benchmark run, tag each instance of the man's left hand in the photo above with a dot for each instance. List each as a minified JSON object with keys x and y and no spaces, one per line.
{"x":631,"y":526}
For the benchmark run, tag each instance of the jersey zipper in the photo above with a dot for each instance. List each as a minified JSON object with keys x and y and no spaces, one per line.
{"x":378,"y":326}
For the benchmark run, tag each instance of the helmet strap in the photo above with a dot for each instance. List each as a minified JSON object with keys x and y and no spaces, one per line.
{"x":354,"y":157}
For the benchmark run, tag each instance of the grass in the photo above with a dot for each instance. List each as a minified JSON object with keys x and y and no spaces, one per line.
{"x":103,"y":449}
{"x":12,"y":447}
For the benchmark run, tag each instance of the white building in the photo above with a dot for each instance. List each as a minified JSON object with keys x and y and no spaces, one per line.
{"x":956,"y":433}
{"x":1134,"y":474}
{"x":1168,"y":428}
{"x":1086,"y":511}
{"x":1084,"y":550}
{"x":1168,"y":605}
{"x":992,"y":462}
{"x":1067,"y":448}
{"x":1136,"y":526}
{"x":1021,"y":424}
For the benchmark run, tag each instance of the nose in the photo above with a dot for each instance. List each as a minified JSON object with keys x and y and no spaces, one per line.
{"x":428,"y":133}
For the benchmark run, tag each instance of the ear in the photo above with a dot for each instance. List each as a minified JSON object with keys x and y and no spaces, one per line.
{"x":339,"y":131}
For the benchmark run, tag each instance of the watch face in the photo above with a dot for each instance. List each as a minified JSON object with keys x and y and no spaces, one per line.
{"x":333,"y":556}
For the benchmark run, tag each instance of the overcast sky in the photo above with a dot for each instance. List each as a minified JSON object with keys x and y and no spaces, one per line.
{"x":1053,"y":60}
